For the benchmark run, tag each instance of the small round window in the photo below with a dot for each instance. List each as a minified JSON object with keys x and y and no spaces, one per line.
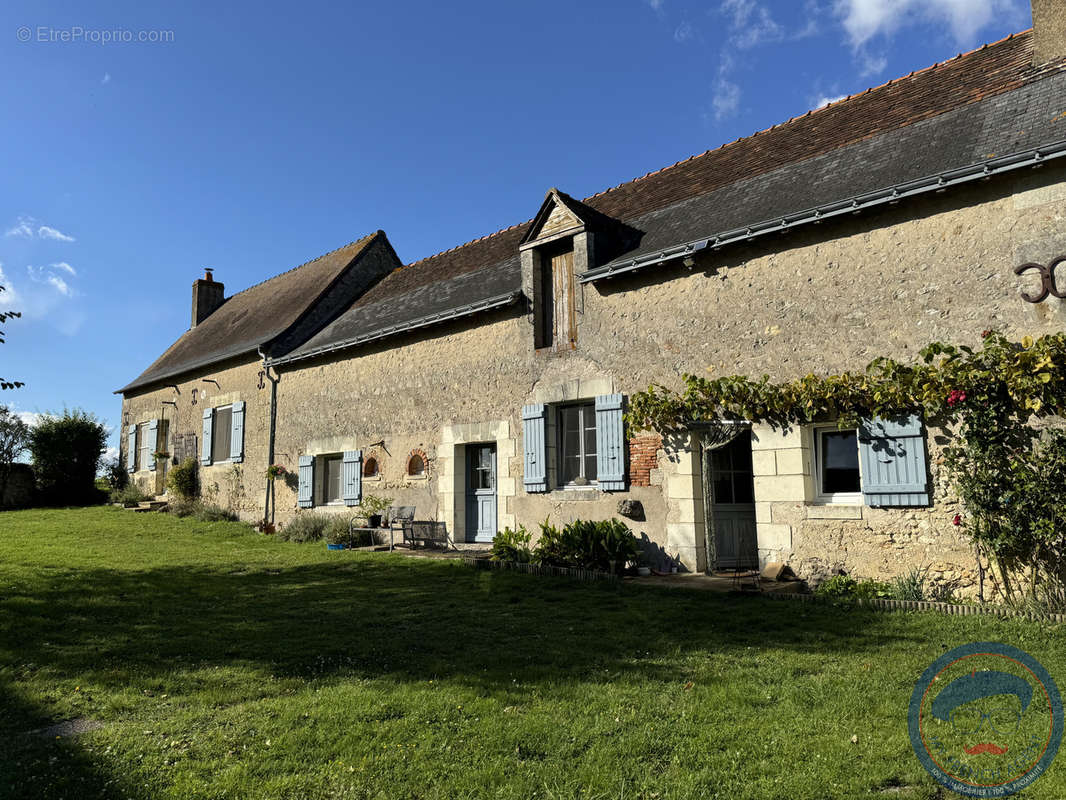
{"x":416,"y":465}
{"x":370,"y":468}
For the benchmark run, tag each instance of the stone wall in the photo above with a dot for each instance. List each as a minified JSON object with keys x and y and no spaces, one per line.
{"x":243,"y":489}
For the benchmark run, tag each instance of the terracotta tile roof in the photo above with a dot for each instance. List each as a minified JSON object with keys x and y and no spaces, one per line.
{"x":968,"y":78}
{"x":255,"y":316}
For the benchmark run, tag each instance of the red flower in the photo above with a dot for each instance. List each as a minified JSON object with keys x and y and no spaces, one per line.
{"x":955,"y":397}
{"x":957,"y":519}
{"x":985,"y":334}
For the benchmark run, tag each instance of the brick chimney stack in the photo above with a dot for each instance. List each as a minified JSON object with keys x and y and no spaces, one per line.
{"x":207,"y":295}
{"x":1049,"y":31}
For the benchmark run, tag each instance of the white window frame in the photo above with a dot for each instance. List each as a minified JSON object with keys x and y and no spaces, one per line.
{"x":587,"y":406}
{"x":142,"y":462}
{"x":214,"y":434}
{"x":832,"y":498}
{"x":318,"y":491}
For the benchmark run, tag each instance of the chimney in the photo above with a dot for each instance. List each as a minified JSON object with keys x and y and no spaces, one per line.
{"x":207,"y":295}
{"x":1049,"y":31}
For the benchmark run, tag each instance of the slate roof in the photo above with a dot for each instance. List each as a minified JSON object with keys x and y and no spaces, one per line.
{"x":988,"y":102}
{"x":253,"y":317}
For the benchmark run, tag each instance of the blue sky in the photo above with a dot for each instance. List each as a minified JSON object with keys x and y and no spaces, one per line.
{"x":251,"y":137}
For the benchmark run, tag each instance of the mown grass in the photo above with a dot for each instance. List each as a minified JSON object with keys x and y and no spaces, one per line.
{"x":225,"y":664}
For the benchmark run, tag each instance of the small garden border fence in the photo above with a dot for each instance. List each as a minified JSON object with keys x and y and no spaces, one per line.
{"x":951,"y":609}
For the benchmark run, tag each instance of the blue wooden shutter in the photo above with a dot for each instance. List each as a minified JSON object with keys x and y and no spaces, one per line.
{"x":131,"y":448}
{"x":352,"y":477}
{"x":610,"y":443}
{"x":534,"y":438}
{"x":236,"y":440}
{"x":209,"y":420}
{"x":153,"y":437}
{"x":305,"y":495}
{"x":893,"y":462}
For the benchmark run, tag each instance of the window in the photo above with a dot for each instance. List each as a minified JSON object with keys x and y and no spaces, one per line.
{"x":328,"y":471}
{"x":836,"y":460}
{"x":221,"y":431}
{"x":144,"y":452}
{"x":416,"y":466}
{"x":732,"y":470}
{"x":577,"y":445}
{"x":370,"y":468}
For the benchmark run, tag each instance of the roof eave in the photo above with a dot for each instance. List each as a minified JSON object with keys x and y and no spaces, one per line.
{"x":938,"y":182}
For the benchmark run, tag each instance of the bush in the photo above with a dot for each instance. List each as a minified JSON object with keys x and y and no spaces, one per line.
{"x":587,"y":545}
{"x":128,"y":495}
{"x":844,"y":587}
{"x":910,"y":586}
{"x":183,"y":479}
{"x":66,"y":450}
{"x":19,"y":486}
{"x":305,"y":527}
{"x":200,"y":511}
{"x":509,"y":545}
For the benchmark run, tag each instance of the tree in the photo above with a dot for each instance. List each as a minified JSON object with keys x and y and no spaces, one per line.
{"x":66,"y":451}
{"x":14,"y":435}
{"x":4,"y":317}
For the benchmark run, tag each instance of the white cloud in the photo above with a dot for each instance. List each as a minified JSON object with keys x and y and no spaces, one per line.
{"x":60,"y":285}
{"x":45,"y":232}
{"x":657,"y":5}
{"x":752,"y":24}
{"x":824,"y":101}
{"x":106,"y":79}
{"x":726,"y":99}
{"x":864,"y":20}
{"x":63,"y":265}
{"x":22,"y":228}
{"x":684,"y":33}
{"x":31,"y":418}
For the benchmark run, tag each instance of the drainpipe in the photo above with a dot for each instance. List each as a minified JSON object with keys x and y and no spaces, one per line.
{"x":268,"y":510}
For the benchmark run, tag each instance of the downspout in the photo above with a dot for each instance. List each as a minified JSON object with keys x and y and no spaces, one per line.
{"x":268,"y":509}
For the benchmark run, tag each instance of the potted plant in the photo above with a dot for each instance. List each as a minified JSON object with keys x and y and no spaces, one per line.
{"x":372,"y":505}
{"x":160,"y":456}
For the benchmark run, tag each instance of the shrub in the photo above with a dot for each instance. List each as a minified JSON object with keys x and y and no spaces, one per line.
{"x":305,"y":527}
{"x":183,"y":479}
{"x":844,"y":587}
{"x":205,"y":512}
{"x":200,"y":511}
{"x":910,"y":586}
{"x":509,"y":545}
{"x":587,"y":545}
{"x":129,"y":495}
{"x":66,"y":450}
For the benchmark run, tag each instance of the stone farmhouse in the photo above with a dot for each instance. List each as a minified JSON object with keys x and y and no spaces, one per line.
{"x":486,"y":385}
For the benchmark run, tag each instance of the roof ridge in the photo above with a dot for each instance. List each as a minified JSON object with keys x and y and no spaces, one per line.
{"x":378,"y":232}
{"x":936,"y":65}
{"x":464,"y":244}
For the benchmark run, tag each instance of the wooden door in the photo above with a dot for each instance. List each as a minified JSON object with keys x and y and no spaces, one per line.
{"x":480,"y":492}
{"x":564,"y":335}
{"x":736,"y":543}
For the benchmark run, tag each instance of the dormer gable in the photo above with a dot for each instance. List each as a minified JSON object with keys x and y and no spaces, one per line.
{"x":560,"y":215}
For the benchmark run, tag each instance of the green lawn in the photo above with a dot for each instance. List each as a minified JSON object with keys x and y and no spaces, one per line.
{"x":226,"y":664}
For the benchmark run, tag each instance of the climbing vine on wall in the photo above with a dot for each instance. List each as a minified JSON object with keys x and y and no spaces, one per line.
{"x":1000,"y":403}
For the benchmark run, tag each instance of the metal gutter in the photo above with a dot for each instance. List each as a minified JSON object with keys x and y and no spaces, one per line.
{"x":851,"y":205}
{"x":499,"y":301}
